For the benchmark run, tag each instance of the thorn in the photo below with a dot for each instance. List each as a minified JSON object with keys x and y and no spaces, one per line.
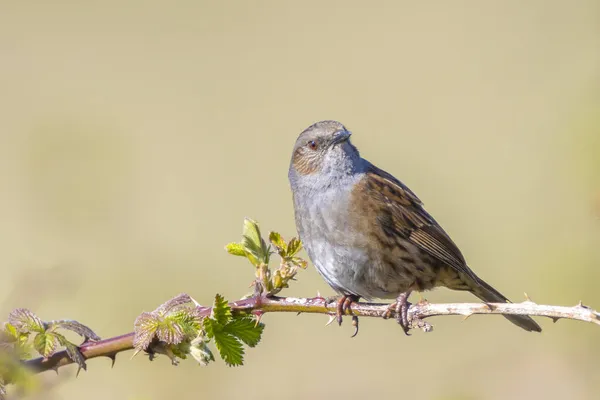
{"x":55,"y":368}
{"x":319,"y":294}
{"x":135,"y":353}
{"x":490,"y":307}
{"x":527,"y":297}
{"x":195,"y":302}
{"x":580,"y":305}
{"x":113,"y":359}
{"x":555,"y":319}
{"x":355,"y":325}
{"x":331,"y":319}
{"x":258,"y":318}
{"x":467,"y":316}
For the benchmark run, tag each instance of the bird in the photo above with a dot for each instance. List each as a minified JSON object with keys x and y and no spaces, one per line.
{"x":368,"y":235}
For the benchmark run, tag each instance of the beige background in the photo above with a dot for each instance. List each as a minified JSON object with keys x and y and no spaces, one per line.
{"x":135,"y":136}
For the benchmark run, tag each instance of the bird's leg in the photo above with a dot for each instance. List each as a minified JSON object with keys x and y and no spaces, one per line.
{"x":400,"y":306}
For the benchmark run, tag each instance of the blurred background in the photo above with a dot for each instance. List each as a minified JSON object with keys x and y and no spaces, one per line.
{"x":136,"y":136}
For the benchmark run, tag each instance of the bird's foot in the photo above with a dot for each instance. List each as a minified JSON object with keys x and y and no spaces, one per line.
{"x":344,"y":306}
{"x":400,"y":307}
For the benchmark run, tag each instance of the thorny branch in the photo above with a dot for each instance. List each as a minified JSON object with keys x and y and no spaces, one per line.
{"x":260,"y":305}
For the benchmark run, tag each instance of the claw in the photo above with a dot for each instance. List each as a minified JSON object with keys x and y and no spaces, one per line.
{"x":355,"y":325}
{"x":344,"y":306}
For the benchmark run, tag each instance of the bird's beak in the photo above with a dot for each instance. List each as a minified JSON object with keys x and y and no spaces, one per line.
{"x":340,"y":137}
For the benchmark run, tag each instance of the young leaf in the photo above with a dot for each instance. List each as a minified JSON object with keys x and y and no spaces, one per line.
{"x":169,"y":331}
{"x":254,"y":243}
{"x":221,"y":312}
{"x":231,"y":350}
{"x":189,"y":321}
{"x":74,"y":326}
{"x":145,"y":328}
{"x":294,"y":246}
{"x":246,"y":329}
{"x":278,"y":241}
{"x":75,"y":355}
{"x":236,"y":249}
{"x":9,"y":334}
{"x":25,"y":321}
{"x":299,"y":262}
{"x":173,"y":304}
{"x":45,"y":343}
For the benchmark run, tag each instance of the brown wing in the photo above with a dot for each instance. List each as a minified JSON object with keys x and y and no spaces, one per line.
{"x":400,"y":212}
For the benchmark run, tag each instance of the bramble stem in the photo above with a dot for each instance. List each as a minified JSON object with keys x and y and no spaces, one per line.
{"x":317,"y":305}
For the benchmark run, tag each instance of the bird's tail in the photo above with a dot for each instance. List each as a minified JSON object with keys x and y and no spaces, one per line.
{"x":490,"y":295}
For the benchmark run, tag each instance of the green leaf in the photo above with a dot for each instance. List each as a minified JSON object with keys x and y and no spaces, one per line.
{"x":190,"y":322}
{"x":9,"y":334}
{"x":169,"y":331}
{"x":278,"y":241}
{"x":45,"y":343}
{"x":221,"y":312}
{"x":236,"y":249}
{"x":230,"y":348}
{"x":254,"y":243}
{"x":246,"y":329}
{"x":145,"y":328}
{"x":210,"y":326}
{"x":25,"y":321}
{"x":294,"y":246}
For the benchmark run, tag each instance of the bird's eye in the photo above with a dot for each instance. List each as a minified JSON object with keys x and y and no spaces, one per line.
{"x":312,"y":145}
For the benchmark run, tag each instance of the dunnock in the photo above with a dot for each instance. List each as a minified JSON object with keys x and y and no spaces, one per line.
{"x":367,"y":233}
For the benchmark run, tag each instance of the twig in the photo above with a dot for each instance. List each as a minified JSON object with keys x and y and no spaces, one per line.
{"x":260,"y":305}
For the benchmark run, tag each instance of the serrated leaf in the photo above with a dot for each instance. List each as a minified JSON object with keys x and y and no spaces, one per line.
{"x":294,"y":246}
{"x":169,"y":331}
{"x":25,"y":321}
{"x":230,"y":348}
{"x":210,"y":326}
{"x":246,"y":329}
{"x":145,"y":328}
{"x":75,"y":355}
{"x":189,"y":320}
{"x":278,"y":241}
{"x":221,"y":312}
{"x":74,"y":326}
{"x":236,"y":249}
{"x":45,"y":343}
